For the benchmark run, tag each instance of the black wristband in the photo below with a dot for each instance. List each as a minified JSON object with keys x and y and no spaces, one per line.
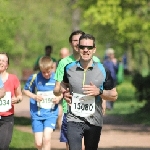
{"x":100,"y":92}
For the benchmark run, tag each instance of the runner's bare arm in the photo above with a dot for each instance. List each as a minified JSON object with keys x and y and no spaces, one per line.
{"x":64,"y":86}
{"x":57,"y":99}
{"x":18,"y":95}
{"x":103,"y":106}
{"x":109,"y":92}
{"x":111,"y":95}
{"x":2,"y":92}
{"x":66,"y":93}
{"x":32,"y":95}
{"x":57,"y":91}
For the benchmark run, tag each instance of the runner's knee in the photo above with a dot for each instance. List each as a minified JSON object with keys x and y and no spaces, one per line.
{"x":38,"y":145}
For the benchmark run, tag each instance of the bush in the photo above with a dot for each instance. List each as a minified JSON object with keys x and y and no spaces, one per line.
{"x":142,"y":86}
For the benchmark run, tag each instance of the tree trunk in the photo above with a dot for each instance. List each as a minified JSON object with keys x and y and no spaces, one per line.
{"x":75,"y":16}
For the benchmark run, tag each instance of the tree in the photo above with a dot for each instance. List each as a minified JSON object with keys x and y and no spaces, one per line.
{"x":27,"y":26}
{"x":75,"y":15}
{"x":125,"y":24}
{"x":8,"y":27}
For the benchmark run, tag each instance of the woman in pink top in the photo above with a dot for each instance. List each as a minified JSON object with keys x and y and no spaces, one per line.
{"x":13,"y":96}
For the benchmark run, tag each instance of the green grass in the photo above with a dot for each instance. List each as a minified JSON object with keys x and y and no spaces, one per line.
{"x":128,"y":107}
{"x":22,"y":141}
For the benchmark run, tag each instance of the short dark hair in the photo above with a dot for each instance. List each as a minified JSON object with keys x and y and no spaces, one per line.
{"x":48,"y":47}
{"x":87,"y":36}
{"x":75,"y":33}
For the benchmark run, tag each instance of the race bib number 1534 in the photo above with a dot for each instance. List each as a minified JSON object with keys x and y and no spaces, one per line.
{"x":5,"y":102}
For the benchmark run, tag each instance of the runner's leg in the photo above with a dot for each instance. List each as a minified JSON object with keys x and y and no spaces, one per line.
{"x":60,"y":114}
{"x":37,"y":127}
{"x":49,"y":126}
{"x":38,"y":136}
{"x":83,"y":147}
{"x":75,"y":133}
{"x":47,"y":138}
{"x":92,"y":136}
{"x":6,"y":130}
{"x":63,"y":132}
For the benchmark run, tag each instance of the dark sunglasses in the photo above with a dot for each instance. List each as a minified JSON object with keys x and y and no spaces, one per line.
{"x":88,"y":47}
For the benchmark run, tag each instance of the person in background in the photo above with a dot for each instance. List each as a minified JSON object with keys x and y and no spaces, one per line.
{"x":43,"y":104}
{"x":13,"y":96}
{"x":64,"y":52}
{"x":125,"y":63}
{"x":111,"y":63}
{"x":48,"y":52}
{"x":2,"y":90}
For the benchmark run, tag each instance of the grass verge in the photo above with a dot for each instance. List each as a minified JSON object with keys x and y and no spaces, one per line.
{"x":22,"y":141}
{"x":128,"y":107}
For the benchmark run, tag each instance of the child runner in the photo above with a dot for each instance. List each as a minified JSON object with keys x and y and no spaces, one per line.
{"x":43,"y":104}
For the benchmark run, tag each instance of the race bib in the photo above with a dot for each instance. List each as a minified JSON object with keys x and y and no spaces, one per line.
{"x":82,"y":105}
{"x":5,"y":102}
{"x":46,"y":103}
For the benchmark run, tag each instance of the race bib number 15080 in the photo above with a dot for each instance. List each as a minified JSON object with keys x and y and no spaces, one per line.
{"x":83,"y":105}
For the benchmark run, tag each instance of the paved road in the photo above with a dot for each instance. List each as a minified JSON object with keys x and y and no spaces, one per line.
{"x":115,"y":134}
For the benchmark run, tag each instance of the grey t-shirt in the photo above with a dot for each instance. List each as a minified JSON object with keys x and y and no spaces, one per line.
{"x":76,"y":76}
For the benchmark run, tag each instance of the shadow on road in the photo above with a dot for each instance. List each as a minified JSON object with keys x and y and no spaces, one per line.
{"x":119,"y":124}
{"x":22,"y":121}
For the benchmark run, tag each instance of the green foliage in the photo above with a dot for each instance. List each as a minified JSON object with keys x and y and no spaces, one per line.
{"x":126,"y":90}
{"x":131,"y":111}
{"x":8,"y":27}
{"x":27,"y":26}
{"x":42,"y":24}
{"x":127,"y":106}
{"x":22,"y":140}
{"x":142,"y":87}
{"x":121,"y":24}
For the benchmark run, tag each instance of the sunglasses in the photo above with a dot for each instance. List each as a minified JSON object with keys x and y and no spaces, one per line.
{"x":88,"y":47}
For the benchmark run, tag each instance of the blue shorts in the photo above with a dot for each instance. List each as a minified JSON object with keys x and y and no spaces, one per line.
{"x":63,"y":133}
{"x":40,"y":125}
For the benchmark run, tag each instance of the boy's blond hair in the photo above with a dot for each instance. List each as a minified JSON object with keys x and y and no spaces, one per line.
{"x":45,"y":63}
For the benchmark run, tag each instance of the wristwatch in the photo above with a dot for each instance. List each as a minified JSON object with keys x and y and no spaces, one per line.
{"x":100,"y":92}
